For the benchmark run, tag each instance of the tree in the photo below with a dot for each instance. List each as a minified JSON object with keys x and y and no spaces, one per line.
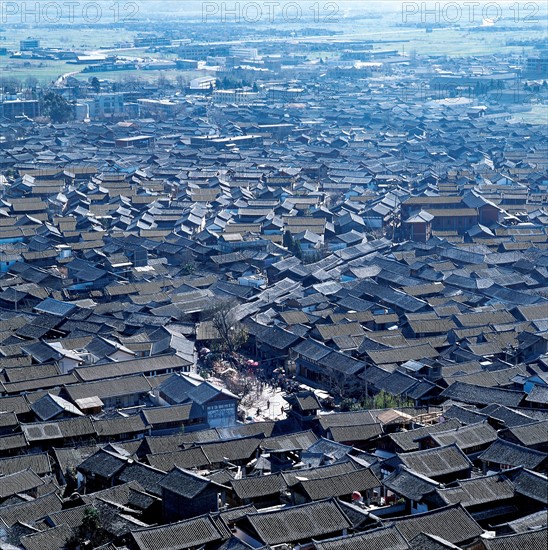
{"x":163,"y":81}
{"x":10,"y":85}
{"x":31,"y":83}
{"x":56,"y":107}
{"x":95,"y":84}
{"x":292,"y":245}
{"x":288,"y":241}
{"x":91,"y":532}
{"x":232,"y":333}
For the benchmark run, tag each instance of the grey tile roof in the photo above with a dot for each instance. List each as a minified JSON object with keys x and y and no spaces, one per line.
{"x":291,"y":442}
{"x":50,"y":539}
{"x":19,"y":482}
{"x":479,"y":490}
{"x":478,"y":395}
{"x":409,"y":484}
{"x":353,"y":418}
{"x":355,"y":434}
{"x":464,"y":415}
{"x":530,"y":434}
{"x":258,"y":486}
{"x":39,"y":463}
{"x":467,"y":437}
{"x":102,"y":463}
{"x":293,"y":477}
{"x":147,"y":477}
{"x":439,"y":461}
{"x":532,"y":521}
{"x":298,"y":523}
{"x":407,"y":440}
{"x":31,"y":510}
{"x":191,"y":533}
{"x":193,"y":457}
{"x":533,"y":485}
{"x":122,"y":425}
{"x":505,"y":453}
{"x":186,"y":483}
{"x":113,"y":387}
{"x":532,"y":540}
{"x":232,"y":450}
{"x":452,"y":523}
{"x":339,"y":485}
{"x":384,"y":538}
{"x":160,"y":415}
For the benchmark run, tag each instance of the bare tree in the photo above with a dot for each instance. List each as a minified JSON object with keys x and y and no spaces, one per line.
{"x":232,"y":333}
{"x":163,"y":81}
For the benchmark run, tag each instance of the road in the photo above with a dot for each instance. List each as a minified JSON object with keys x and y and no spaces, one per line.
{"x":63,"y":77}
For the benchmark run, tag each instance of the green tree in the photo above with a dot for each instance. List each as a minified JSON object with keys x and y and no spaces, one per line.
{"x":384,"y":400}
{"x":288,"y":240}
{"x":95,"y":84}
{"x":90,"y":533}
{"x":56,"y":107}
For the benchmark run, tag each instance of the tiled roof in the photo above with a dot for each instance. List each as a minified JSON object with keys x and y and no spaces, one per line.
{"x":480,"y":490}
{"x":298,"y":523}
{"x":338,"y":485}
{"x":185,"y":483}
{"x":452,"y":523}
{"x":50,"y":539}
{"x":191,"y":533}
{"x":193,"y":457}
{"x":121,"y":425}
{"x":354,"y":434}
{"x":32,"y":510}
{"x":290,"y":442}
{"x":436,"y":462}
{"x":160,"y":415}
{"x":478,"y":395}
{"x":19,"y":482}
{"x":338,"y":468}
{"x":532,"y":540}
{"x":164,"y":443}
{"x":113,"y":387}
{"x":530,"y":434}
{"x":123,"y":495}
{"x":407,"y":441}
{"x":506,"y":453}
{"x":39,"y":463}
{"x":531,"y":484}
{"x":467,"y":436}
{"x":258,"y":486}
{"x":235,"y":449}
{"x":466,"y":416}
{"x":103,"y":463}
{"x":409,"y":484}
{"x":536,"y":520}
{"x":345,"y":419}
{"x":384,"y":538}
{"x":147,"y":477}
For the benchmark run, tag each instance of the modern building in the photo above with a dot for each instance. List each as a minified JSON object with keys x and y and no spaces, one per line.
{"x":29,"y":44}
{"x":12,"y":109}
{"x":238,"y":97}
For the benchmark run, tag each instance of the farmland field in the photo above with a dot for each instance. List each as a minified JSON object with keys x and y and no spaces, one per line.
{"x":381,"y":21}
